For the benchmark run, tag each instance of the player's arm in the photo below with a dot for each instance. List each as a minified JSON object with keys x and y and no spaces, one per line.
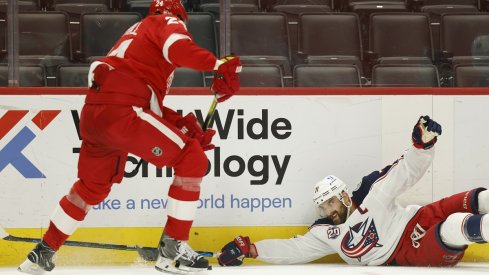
{"x":300,"y":249}
{"x":408,"y":170}
{"x":185,"y":53}
{"x":171,"y":116}
{"x":180,"y":50}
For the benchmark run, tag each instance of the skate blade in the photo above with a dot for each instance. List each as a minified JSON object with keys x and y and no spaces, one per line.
{"x":170,"y":266}
{"x":30,"y":268}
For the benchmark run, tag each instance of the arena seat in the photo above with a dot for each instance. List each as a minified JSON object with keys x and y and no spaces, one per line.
{"x":349,"y":4}
{"x":435,"y":12}
{"x":44,"y":39}
{"x":185,"y":77}
{"x":465,"y":37}
{"x":74,"y":8}
{"x":260,"y":75}
{"x":405,"y":75}
{"x":400,"y":38}
{"x":261,"y":38}
{"x":330,"y":38}
{"x":29,"y":75}
{"x":100,"y":31}
{"x":292,"y":10}
{"x":236,"y":6}
{"x":202,"y":28}
{"x":77,"y":7}
{"x":22,"y":5}
{"x":422,"y":3}
{"x":72,"y":75}
{"x":471,"y":75}
{"x":326,"y":75}
{"x":139,"y":6}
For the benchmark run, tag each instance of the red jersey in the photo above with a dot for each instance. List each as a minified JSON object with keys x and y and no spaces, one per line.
{"x":150,"y":51}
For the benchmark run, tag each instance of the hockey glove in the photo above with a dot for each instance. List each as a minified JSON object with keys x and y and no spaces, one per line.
{"x":425,"y":133}
{"x":232,"y":254}
{"x":226,"y":78}
{"x":191,"y":128}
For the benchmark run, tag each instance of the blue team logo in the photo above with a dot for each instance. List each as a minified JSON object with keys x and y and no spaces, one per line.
{"x":360,"y":239}
{"x":11,"y":153}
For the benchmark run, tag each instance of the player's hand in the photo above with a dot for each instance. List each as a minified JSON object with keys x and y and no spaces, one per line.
{"x":425,"y":132}
{"x":191,"y":128}
{"x":232,"y":254}
{"x":226,"y":78}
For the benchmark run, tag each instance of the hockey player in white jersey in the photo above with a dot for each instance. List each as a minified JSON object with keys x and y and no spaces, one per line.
{"x":370,"y":228}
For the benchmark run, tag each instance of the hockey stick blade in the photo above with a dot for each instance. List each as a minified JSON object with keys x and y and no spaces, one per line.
{"x":149,"y":254}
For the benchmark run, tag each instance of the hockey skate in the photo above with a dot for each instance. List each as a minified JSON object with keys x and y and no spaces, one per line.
{"x":39,"y":260}
{"x":177,"y":257}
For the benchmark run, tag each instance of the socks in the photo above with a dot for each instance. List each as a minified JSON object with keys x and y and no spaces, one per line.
{"x":462,"y":229}
{"x":64,"y":221}
{"x":483,"y":200}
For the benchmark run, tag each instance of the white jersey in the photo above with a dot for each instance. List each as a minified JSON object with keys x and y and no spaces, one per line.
{"x":371,"y":233}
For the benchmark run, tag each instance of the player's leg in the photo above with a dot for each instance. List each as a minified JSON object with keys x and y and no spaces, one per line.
{"x":98,"y":168}
{"x":69,"y":214}
{"x":162,"y":144}
{"x":469,"y":202}
{"x":462,"y":217}
{"x":461,"y":229}
{"x":431,"y":251}
{"x":427,"y":244}
{"x":183,"y":196}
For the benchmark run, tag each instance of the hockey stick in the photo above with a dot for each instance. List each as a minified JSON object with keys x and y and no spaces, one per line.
{"x":210,"y":113}
{"x":146,"y":253}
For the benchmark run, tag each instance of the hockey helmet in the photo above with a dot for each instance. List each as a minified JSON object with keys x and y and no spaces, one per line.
{"x":172,"y":7}
{"x":327,"y":188}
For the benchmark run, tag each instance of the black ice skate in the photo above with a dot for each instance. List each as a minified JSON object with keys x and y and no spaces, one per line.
{"x":39,"y":260}
{"x":178,"y":258}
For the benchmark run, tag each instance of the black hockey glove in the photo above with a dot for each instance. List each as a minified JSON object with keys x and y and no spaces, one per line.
{"x":232,"y":254}
{"x":425,"y":132}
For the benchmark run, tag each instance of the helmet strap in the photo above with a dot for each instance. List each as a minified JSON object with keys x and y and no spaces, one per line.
{"x":348,"y":207}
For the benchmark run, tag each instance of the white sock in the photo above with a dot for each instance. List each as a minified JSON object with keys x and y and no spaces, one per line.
{"x":456,"y":229}
{"x":483,"y":200}
{"x":451,"y":231}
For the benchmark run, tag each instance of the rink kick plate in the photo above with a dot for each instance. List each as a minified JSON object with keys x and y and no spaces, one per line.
{"x":3,"y":233}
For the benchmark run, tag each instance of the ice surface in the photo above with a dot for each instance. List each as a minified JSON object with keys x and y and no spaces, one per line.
{"x":308,"y":269}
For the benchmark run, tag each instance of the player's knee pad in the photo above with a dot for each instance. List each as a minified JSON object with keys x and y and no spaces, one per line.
{"x":92,"y":193}
{"x":192,"y":163}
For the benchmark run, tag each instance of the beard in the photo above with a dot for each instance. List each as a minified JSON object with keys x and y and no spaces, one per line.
{"x":340,"y":216}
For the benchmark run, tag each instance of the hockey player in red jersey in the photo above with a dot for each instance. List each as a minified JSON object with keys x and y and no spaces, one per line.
{"x":124,"y":112}
{"x":369,"y":228}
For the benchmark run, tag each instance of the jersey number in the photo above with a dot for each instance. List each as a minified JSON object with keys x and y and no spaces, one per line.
{"x":120,"y":50}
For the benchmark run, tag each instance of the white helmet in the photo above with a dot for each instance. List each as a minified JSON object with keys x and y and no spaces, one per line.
{"x":327,"y":188}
